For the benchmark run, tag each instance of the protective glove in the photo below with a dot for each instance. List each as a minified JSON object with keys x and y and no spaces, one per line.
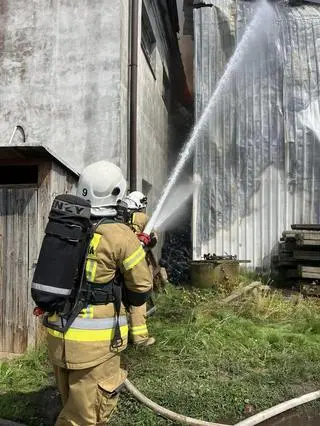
{"x":144,"y":238}
{"x":153,"y":239}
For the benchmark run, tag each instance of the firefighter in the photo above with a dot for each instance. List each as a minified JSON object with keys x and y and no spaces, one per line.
{"x":137,"y":203}
{"x":86,"y":358}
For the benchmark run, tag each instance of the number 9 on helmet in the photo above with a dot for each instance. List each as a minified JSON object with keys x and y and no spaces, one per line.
{"x":103,"y":184}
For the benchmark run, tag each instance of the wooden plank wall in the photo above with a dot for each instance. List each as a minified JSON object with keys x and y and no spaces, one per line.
{"x":62,"y":181}
{"x":18,"y":207}
{"x":23,"y":217}
{"x":54,"y":180}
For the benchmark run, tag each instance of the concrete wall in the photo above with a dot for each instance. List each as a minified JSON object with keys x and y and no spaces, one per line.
{"x":124,"y":84}
{"x":186,"y":40}
{"x":64,"y":68}
{"x":153,"y":129}
{"x":60,"y":77}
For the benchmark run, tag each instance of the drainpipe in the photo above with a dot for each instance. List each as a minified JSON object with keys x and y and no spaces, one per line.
{"x":133,"y":75}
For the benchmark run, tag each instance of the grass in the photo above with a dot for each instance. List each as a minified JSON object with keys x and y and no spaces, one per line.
{"x":27,"y":388}
{"x":211,"y":361}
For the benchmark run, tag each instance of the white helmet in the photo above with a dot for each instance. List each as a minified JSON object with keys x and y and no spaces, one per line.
{"x":136,"y":200}
{"x":103,"y":184}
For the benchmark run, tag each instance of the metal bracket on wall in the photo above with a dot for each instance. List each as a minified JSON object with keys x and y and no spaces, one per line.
{"x":20,"y":128}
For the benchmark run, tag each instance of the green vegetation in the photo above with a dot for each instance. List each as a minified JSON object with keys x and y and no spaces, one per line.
{"x":211,"y":361}
{"x":27,"y":389}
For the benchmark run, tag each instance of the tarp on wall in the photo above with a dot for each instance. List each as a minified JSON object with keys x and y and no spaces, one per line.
{"x":259,"y":156}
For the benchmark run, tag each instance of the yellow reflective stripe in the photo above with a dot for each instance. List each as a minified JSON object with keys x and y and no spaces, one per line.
{"x":134,"y":258}
{"x":91,"y":264}
{"x":53,"y":318}
{"x":86,"y":312}
{"x":94,"y":323}
{"x":94,"y":270}
{"x":133,"y":225}
{"x":139,"y":327}
{"x":140,"y":330}
{"x":83,"y":313}
{"x":88,"y":335}
{"x":89,"y":269}
{"x":90,"y":311}
{"x":95,"y":240}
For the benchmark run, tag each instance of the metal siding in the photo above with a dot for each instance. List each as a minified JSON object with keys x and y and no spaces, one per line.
{"x":258,"y":162}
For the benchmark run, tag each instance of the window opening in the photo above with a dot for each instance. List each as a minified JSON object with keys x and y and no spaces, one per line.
{"x":18,"y":175}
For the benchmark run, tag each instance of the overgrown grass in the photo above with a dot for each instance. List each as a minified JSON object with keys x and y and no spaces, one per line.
{"x":27,"y":389}
{"x":16,"y":373}
{"x":210,"y":361}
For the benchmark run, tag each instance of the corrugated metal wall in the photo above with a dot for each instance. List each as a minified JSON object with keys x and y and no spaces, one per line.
{"x":259,"y":163}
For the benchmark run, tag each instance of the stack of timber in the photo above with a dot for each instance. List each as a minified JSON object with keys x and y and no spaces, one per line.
{"x":299,"y":257}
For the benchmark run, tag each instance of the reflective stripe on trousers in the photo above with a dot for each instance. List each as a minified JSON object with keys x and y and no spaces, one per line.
{"x":139,"y":330}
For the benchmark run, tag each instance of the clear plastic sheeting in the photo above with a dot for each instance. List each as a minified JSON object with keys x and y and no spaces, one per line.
{"x":259,"y":155}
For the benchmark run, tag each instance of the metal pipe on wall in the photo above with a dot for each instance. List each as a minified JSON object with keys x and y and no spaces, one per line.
{"x":133,"y":94}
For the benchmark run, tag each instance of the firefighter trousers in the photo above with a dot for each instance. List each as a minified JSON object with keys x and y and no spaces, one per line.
{"x":89,"y":396}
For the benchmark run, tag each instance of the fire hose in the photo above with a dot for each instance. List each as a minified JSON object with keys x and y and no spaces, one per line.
{"x":251,"y":421}
{"x":164,"y":412}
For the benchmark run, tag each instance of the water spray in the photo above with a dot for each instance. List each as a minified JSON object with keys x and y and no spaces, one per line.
{"x":265,"y":15}
{"x":310,"y":118}
{"x":264,"y":18}
{"x":175,"y":201}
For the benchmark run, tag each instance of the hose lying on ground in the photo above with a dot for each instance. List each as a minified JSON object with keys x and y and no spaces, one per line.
{"x":180,"y":418}
{"x":250,"y":421}
{"x":278,"y":409}
{"x":151,"y":311}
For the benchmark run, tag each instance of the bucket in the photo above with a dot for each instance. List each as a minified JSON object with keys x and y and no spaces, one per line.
{"x":214,"y":273}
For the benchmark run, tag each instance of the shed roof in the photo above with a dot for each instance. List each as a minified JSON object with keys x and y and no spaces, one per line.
{"x":29,"y":151}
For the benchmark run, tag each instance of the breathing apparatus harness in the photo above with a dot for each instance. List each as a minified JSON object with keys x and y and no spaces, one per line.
{"x":59,"y":284}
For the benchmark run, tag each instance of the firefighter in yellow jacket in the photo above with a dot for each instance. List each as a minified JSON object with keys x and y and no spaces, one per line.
{"x":86,"y":363}
{"x":136,"y":203}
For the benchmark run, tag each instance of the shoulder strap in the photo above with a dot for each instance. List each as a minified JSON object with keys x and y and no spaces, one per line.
{"x":106,"y":220}
{"x":79,"y":304}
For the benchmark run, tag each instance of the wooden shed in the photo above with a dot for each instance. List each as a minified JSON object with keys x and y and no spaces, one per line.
{"x":30,"y":177}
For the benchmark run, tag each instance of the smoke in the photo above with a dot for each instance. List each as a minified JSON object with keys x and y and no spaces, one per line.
{"x":176,"y":204}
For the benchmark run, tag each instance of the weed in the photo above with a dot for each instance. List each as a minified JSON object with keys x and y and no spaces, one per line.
{"x":210,"y":361}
